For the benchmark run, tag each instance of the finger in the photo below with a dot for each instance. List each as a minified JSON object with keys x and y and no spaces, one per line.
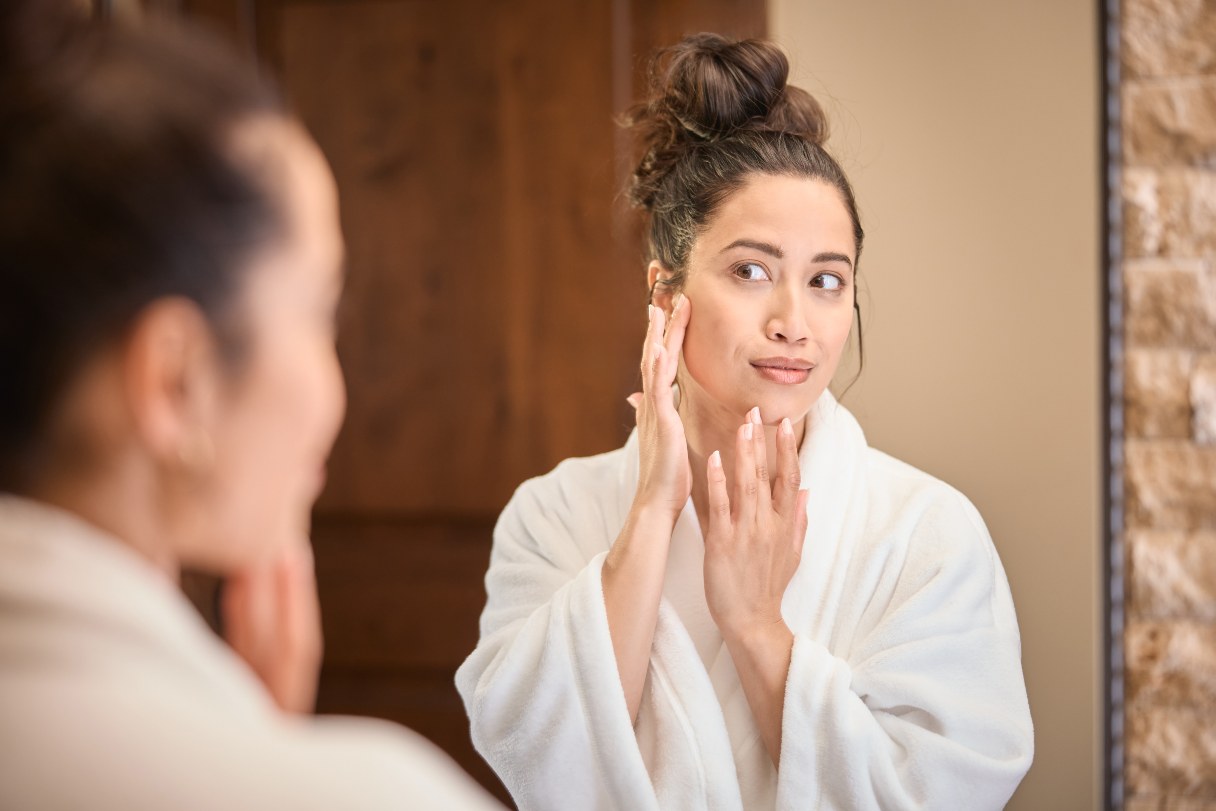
{"x":233,"y":599}
{"x":299,"y":656}
{"x":673,"y":340}
{"x":719,"y":500}
{"x":746,"y":485}
{"x":250,"y":608}
{"x":299,"y":608}
{"x":800,"y":521}
{"x":764,"y":492}
{"x":648,"y":345}
{"x":652,"y":383}
{"x":788,"y":477}
{"x":634,"y":400}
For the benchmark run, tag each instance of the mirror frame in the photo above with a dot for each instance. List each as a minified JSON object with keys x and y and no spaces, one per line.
{"x":1113,"y":564}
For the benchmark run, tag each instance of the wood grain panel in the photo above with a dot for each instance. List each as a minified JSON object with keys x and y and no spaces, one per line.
{"x":401,"y":595}
{"x":404,"y":105}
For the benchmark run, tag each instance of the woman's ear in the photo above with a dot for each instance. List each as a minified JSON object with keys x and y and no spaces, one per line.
{"x":661,"y":294}
{"x":171,"y":371}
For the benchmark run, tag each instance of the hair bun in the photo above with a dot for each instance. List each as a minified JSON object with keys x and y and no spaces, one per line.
{"x":714,"y":86}
{"x":708,"y":87}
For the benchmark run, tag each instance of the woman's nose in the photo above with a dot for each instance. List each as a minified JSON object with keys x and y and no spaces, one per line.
{"x":786,"y":319}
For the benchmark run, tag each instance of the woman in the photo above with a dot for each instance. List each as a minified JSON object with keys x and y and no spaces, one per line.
{"x":678,"y":623}
{"x":170,"y":262}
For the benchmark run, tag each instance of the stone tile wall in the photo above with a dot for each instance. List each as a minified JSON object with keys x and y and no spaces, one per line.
{"x":1169,"y":197}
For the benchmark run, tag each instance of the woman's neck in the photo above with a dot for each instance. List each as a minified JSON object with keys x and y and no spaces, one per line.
{"x":113,"y":510}
{"x":709,"y":427}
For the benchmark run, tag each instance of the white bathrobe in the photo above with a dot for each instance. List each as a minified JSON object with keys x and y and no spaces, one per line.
{"x":115,"y":695}
{"x":905,"y":688}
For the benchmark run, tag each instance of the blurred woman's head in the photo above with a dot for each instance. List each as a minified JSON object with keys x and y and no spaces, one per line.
{"x":750,"y":218}
{"x":170,"y":263}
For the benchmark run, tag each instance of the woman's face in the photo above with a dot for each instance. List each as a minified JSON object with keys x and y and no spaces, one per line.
{"x":278,"y":413}
{"x":771,"y":285}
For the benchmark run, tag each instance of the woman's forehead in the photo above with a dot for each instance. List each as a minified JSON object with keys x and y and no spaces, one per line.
{"x":779,"y":215}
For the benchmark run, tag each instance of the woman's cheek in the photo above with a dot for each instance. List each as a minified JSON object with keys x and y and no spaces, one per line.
{"x":695,"y":352}
{"x":839,"y":337}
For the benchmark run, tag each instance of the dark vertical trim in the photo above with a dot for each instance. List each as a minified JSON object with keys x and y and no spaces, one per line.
{"x":247,"y":23}
{"x":1112,"y":417}
{"x":103,"y":9}
{"x":624,"y":218}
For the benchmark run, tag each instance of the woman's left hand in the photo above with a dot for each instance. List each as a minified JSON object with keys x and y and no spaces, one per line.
{"x":754,"y":539}
{"x":272,"y":619}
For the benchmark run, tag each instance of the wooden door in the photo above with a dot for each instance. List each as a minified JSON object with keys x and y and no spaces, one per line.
{"x":495,"y":305}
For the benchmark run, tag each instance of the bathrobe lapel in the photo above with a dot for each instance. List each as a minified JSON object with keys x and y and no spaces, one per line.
{"x":832,"y":460}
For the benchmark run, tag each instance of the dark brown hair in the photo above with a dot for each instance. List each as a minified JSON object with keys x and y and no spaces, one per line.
{"x":118,"y":186}
{"x":718,"y":111}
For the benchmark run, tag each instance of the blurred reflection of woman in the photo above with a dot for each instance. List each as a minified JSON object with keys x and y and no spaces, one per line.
{"x":679,"y":623}
{"x":170,"y":263}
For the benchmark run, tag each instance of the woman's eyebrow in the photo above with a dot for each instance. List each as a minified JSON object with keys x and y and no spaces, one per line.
{"x":832,"y":257}
{"x":775,"y":251}
{"x":755,"y":245}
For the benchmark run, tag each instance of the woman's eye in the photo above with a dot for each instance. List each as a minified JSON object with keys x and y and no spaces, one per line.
{"x":827,"y":281}
{"x":751,"y":272}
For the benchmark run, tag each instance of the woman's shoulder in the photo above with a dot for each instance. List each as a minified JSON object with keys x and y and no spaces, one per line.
{"x":578,"y":478}
{"x":582,"y":498}
{"x":935,"y":538}
{"x":902,"y":495}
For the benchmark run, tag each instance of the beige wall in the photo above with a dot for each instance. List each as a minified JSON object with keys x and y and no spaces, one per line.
{"x":971,"y":132}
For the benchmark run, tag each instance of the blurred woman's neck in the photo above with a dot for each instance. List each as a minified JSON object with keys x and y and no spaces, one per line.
{"x":94,"y":466}
{"x":119,"y":504}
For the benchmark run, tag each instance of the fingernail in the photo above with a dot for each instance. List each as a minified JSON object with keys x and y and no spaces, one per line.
{"x":747,"y":431}
{"x":649,"y":312}
{"x":679,"y":300}
{"x":786,"y":428}
{"x":715,"y":459}
{"x":755,"y":415}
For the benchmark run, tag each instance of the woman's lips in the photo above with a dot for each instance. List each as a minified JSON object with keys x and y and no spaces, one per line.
{"x":787,"y":371}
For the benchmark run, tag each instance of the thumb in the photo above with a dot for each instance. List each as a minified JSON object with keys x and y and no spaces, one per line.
{"x":634,"y":400}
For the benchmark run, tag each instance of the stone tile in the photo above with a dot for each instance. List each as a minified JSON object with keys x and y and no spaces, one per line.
{"x":1170,"y":663}
{"x":1156,"y":394}
{"x":1171,"y":575}
{"x":1170,"y":485}
{"x":1170,"y":751}
{"x":1169,"y":37}
{"x":1142,"y":228}
{"x":1203,"y":399}
{"x":1170,"y":804}
{"x":1170,"y":304}
{"x":1169,"y":212}
{"x":1170,"y":123}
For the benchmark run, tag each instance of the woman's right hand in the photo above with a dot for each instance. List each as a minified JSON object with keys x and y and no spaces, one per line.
{"x":634,"y":568}
{"x":272,"y":619}
{"x":664,"y":473}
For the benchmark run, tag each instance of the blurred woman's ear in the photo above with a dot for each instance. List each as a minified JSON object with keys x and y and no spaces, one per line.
{"x":172,"y":375}
{"x":658,"y":281}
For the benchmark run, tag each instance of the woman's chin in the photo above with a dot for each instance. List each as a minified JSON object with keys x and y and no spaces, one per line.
{"x":776,"y":406}
{"x":776,"y":401}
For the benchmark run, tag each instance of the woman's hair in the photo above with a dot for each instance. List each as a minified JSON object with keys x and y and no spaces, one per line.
{"x":719,"y":111}
{"x":119,"y":185}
